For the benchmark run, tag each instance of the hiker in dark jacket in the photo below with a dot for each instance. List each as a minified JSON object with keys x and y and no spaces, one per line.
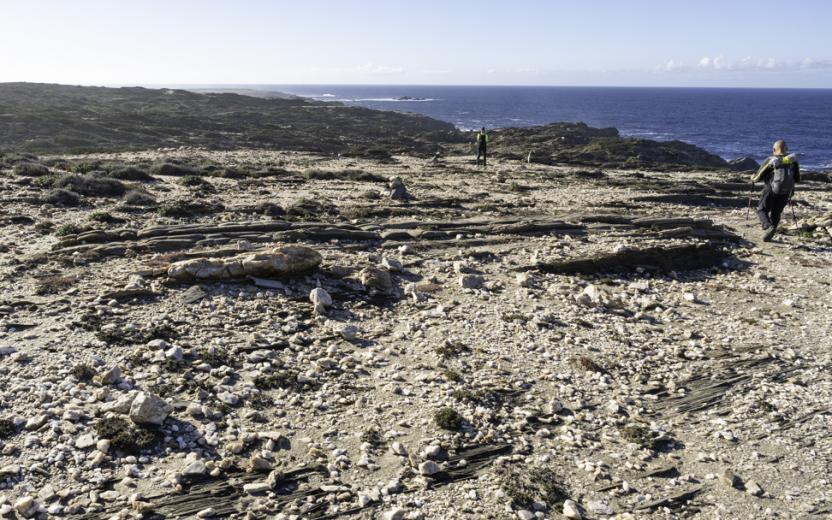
{"x":780,"y":173}
{"x":482,"y":146}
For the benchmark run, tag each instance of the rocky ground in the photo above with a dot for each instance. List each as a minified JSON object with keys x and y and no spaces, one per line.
{"x":523,"y":341}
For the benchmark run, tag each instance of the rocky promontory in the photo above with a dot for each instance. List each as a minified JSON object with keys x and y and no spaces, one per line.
{"x":42,"y":118}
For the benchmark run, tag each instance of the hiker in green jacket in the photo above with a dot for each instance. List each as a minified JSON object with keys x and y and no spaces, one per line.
{"x":482,"y":146}
{"x":780,"y":173}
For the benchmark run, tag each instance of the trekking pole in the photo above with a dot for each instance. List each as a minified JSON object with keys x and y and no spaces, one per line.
{"x":791,"y":204}
{"x":748,"y":208}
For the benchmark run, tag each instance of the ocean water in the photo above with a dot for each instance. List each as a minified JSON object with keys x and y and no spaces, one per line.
{"x":728,"y":122}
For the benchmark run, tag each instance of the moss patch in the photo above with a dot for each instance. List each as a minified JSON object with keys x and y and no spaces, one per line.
{"x":525,"y":485}
{"x":126,"y":437}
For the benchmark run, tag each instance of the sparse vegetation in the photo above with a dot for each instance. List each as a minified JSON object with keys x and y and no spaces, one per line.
{"x":105,"y":217}
{"x":307,"y":208}
{"x":172,"y":169}
{"x":198,"y":183}
{"x":372,"y":436}
{"x":7,"y":428}
{"x":123,"y":336}
{"x":285,"y":379}
{"x":525,"y":485}
{"x":217,"y":357}
{"x":271,"y":209}
{"x":643,"y":436}
{"x":131,"y":173}
{"x":139,"y":198}
{"x":54,"y":284}
{"x":67,"y":229}
{"x":186,"y":209}
{"x":451,"y":349}
{"x":448,"y":419}
{"x":351,"y":175}
{"x":91,"y":185}
{"x":587,"y":364}
{"x":83,"y":373}
{"x":452,"y":375}
{"x":125,"y":437}
{"x":30,"y":169}
{"x":61,"y":197}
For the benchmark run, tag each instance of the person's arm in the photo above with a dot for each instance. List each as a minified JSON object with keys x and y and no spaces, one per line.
{"x":763,"y":171}
{"x":796,"y":172}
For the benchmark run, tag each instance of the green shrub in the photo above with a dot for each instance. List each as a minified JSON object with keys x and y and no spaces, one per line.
{"x":7,"y":428}
{"x":83,"y":372}
{"x":29,"y":169}
{"x":131,"y":173}
{"x":61,"y":197}
{"x":271,"y":209}
{"x":105,"y":217}
{"x":185,"y":209}
{"x":448,"y":419}
{"x":46,"y":181}
{"x":139,"y":198}
{"x":86,"y":167}
{"x":352,"y":175}
{"x":192,"y":181}
{"x":230,"y":173}
{"x":91,"y":186}
{"x":67,"y":229}
{"x":526,"y":485}
{"x":172,"y":169}
{"x":125,"y":437}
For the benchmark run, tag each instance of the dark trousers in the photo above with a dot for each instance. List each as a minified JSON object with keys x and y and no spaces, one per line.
{"x":770,"y":208}
{"x":482,"y":151}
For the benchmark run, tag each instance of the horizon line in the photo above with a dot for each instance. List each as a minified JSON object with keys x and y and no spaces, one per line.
{"x":184,"y":85}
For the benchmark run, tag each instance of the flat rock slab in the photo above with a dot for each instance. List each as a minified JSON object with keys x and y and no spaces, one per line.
{"x":284,"y":261}
{"x":662,"y":259}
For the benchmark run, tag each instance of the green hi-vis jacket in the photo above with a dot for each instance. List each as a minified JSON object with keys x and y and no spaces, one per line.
{"x":482,"y":137}
{"x":773,"y":162}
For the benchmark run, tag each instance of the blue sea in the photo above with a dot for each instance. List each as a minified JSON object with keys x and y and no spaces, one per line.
{"x":729,"y":122}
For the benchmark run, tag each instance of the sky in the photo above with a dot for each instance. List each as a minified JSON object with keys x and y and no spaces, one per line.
{"x":705,"y":43}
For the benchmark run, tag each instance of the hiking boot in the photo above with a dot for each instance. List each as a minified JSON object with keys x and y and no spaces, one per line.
{"x":769,"y":233}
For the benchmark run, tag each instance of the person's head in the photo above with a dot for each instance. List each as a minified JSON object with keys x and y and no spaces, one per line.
{"x":780,"y":147}
{"x":482,"y":130}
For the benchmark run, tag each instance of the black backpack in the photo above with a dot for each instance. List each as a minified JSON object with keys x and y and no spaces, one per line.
{"x":783,"y":174}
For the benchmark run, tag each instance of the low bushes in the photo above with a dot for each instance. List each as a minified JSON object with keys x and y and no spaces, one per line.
{"x":91,"y":185}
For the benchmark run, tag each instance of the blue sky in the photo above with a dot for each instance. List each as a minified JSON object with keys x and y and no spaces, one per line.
{"x":724,"y":43}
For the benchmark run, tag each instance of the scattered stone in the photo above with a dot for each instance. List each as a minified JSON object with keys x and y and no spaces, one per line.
{"x":730,"y":479}
{"x":149,"y":409}
{"x":398,"y":191}
{"x":396,"y":513}
{"x":471,"y":281}
{"x":754,"y":489}
{"x":320,"y":299}
{"x":26,"y":506}
{"x":429,"y":468}
{"x":571,"y":509}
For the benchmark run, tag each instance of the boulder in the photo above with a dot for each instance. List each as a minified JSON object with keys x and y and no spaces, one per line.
{"x":742,"y":164}
{"x":376,"y":280}
{"x":282,"y":261}
{"x":149,"y":409}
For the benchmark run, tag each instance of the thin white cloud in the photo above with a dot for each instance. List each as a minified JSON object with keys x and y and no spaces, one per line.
{"x":747,"y":64}
{"x":374,"y":68}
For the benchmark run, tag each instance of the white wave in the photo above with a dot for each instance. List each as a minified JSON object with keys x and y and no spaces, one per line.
{"x":394,"y":100}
